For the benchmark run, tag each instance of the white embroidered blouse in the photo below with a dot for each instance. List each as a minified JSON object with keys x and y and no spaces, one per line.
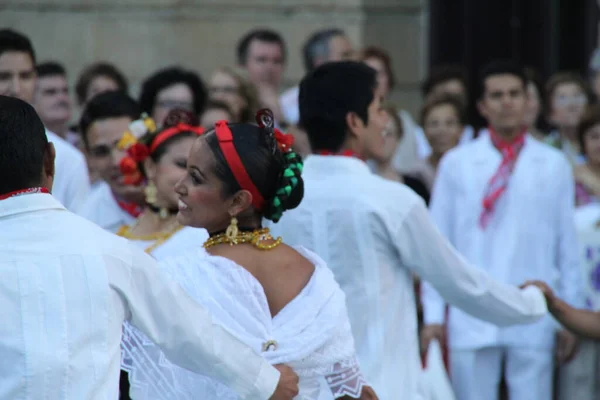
{"x":311,"y":334}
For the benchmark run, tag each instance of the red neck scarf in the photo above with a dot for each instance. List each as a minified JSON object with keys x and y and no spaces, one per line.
{"x":23,"y":192}
{"x":343,"y":153}
{"x":499,"y":181}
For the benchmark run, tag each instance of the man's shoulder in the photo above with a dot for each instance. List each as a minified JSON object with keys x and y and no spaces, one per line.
{"x":369,"y":190}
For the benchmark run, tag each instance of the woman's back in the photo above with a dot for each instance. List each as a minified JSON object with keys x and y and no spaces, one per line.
{"x":282,"y":272}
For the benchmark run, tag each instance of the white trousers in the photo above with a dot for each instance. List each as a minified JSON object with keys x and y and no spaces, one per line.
{"x":476,"y":374}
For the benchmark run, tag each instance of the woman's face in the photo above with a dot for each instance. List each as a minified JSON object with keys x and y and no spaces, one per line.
{"x":169,"y":170}
{"x":591,"y":141}
{"x":200,"y":192}
{"x":383,"y":80}
{"x":100,"y":84}
{"x":224,"y":87}
{"x":532,"y":111}
{"x":442,"y":128}
{"x":568,"y":104}
{"x":178,"y":95}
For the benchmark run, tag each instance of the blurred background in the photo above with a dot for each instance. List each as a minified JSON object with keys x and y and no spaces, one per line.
{"x":140,"y":36}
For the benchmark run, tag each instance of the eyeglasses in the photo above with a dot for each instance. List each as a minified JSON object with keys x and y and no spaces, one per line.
{"x":224,"y":90}
{"x":576,"y":100}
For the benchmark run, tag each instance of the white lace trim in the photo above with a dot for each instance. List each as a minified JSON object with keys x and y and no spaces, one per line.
{"x":347,"y":380}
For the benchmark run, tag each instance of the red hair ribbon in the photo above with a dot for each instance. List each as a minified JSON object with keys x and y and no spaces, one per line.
{"x":235,"y":163}
{"x":138,"y":152}
{"x":172,"y":131}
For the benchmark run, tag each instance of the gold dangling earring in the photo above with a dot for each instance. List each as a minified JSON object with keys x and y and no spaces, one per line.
{"x":232,"y":231}
{"x":150,"y":191}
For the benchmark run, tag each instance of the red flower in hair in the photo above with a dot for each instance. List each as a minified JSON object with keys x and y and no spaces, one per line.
{"x":284,"y":140}
{"x":138,"y":152}
{"x":134,"y":179}
{"x":128,"y":166}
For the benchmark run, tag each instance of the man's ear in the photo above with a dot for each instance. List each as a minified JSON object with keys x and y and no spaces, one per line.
{"x":353,"y":123}
{"x":48,"y":165}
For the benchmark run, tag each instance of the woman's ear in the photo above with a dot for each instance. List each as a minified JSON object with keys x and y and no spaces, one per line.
{"x":150,"y":168}
{"x":240,"y":202}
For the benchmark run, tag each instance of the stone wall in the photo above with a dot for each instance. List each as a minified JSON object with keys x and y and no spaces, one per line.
{"x":140,"y":36}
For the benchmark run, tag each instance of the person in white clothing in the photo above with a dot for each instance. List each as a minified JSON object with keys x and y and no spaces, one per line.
{"x":506,"y":202}
{"x":105,"y":120}
{"x":64,"y":303}
{"x":374,"y":233}
{"x":18,"y":79}
{"x":161,"y":157}
{"x":323,"y":46}
{"x":283,"y":301}
{"x":52,"y":100}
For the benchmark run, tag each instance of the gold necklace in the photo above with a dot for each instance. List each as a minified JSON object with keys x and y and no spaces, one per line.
{"x":255,"y":238}
{"x":158,"y":237}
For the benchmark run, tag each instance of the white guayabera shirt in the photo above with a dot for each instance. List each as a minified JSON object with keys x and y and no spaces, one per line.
{"x":374,"y":234}
{"x":67,"y":286}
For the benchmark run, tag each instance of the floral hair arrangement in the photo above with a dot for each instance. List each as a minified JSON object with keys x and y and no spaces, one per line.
{"x":136,"y":150}
{"x":142,"y":139}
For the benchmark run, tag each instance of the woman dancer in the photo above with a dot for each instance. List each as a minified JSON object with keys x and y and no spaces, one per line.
{"x":159,"y":158}
{"x":283,"y":301}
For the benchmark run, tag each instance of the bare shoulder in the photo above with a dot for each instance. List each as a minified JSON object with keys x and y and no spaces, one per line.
{"x":286,"y":262}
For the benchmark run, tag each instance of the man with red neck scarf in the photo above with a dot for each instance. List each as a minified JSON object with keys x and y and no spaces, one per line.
{"x":505,"y":201}
{"x":113,"y":202}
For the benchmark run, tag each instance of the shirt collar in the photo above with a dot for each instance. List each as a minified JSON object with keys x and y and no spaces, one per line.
{"x":29,"y":203}
{"x":332,"y":164}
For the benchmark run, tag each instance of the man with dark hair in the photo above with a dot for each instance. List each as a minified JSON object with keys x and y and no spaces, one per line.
{"x":52,"y":100}
{"x":112,"y":203}
{"x":67,"y":287}
{"x":323,"y":46}
{"x":375,"y":233}
{"x":18,"y":79}
{"x":506,"y":202}
{"x":262,"y":54}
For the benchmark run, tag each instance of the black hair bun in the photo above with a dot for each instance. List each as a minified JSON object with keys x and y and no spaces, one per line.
{"x":181,"y":116}
{"x":290,"y":188}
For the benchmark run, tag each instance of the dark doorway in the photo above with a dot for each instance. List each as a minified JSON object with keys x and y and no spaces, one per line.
{"x":548,"y":35}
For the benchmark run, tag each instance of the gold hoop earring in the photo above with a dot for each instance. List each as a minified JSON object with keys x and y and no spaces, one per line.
{"x":232,"y":231}
{"x":150,"y":192}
